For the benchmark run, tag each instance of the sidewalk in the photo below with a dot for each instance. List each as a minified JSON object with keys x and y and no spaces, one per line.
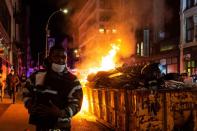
{"x":15,"y":118}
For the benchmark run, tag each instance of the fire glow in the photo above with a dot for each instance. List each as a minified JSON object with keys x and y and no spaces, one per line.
{"x":103,"y":56}
{"x":85,"y":105}
{"x":108,"y":62}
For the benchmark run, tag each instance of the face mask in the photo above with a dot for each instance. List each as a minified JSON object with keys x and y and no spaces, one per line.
{"x":58,"y":68}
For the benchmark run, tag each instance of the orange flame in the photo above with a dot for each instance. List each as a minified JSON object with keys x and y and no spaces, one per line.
{"x":85,"y":104}
{"x":108,"y":62}
{"x":96,"y":55}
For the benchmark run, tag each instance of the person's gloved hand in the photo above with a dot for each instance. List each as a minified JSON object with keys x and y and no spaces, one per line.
{"x":46,"y":111}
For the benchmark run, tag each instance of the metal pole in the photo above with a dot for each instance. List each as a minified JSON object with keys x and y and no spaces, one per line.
{"x":38,"y":60}
{"x":46,"y":43}
{"x":47,"y":31}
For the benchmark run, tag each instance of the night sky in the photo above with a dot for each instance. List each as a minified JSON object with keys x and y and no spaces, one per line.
{"x":59,"y":24}
{"x":39,"y":14}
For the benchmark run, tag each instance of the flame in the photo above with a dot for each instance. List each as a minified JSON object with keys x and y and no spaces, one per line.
{"x":109,"y":50}
{"x":107,"y":62}
{"x":85,"y":104}
{"x":85,"y":112}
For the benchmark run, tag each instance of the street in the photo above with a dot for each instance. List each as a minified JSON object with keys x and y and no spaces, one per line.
{"x":127,"y":65}
{"x":14,"y":117}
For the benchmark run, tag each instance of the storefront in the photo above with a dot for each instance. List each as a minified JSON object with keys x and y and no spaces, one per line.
{"x":190,"y":60}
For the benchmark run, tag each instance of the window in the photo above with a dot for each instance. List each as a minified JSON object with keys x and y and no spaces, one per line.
{"x":142,"y":49}
{"x":189,"y":71}
{"x":138,"y":48}
{"x":192,"y":63}
{"x":146,"y":42}
{"x":191,"y":67}
{"x":188,"y":64}
{"x":172,"y":68}
{"x":104,"y":17}
{"x":189,"y":4}
{"x":189,"y":29}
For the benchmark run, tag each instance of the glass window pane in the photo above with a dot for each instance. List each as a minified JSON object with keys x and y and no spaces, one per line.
{"x":193,"y":64}
{"x":189,"y":29}
{"x":138,"y":49}
{"x":189,"y":64}
{"x":172,"y":68}
{"x":142,"y":50}
{"x":189,"y":72}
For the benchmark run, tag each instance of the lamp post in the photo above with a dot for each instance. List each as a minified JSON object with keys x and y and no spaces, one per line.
{"x":65,"y":11}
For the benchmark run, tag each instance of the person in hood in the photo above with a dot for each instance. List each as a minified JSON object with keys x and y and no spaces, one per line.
{"x":53,"y":95}
{"x":12,"y":81}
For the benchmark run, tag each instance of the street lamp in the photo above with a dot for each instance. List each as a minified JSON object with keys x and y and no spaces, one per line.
{"x":65,"y":11}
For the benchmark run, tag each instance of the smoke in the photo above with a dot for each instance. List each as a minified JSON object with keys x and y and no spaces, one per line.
{"x":140,"y":12}
{"x":126,"y":19}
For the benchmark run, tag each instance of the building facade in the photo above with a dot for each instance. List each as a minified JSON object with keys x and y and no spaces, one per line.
{"x":188,"y":38}
{"x":153,"y":24}
{"x":6,"y":35}
{"x":10,"y":39}
{"x":157,"y":38}
{"x":96,"y":24}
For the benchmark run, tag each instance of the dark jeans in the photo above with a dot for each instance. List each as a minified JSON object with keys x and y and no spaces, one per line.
{"x":13,"y":95}
{"x":40,"y":128}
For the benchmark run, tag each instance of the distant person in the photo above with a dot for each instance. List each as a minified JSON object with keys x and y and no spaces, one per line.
{"x":12,"y":81}
{"x":54,"y":95}
{"x":23,"y":80}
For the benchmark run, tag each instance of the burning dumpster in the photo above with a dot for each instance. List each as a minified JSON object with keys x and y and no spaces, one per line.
{"x":181,"y":106}
{"x":140,"y":98}
{"x":147,"y":110}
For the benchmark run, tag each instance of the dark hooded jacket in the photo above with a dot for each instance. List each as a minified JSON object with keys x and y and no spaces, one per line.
{"x":62,"y":89}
